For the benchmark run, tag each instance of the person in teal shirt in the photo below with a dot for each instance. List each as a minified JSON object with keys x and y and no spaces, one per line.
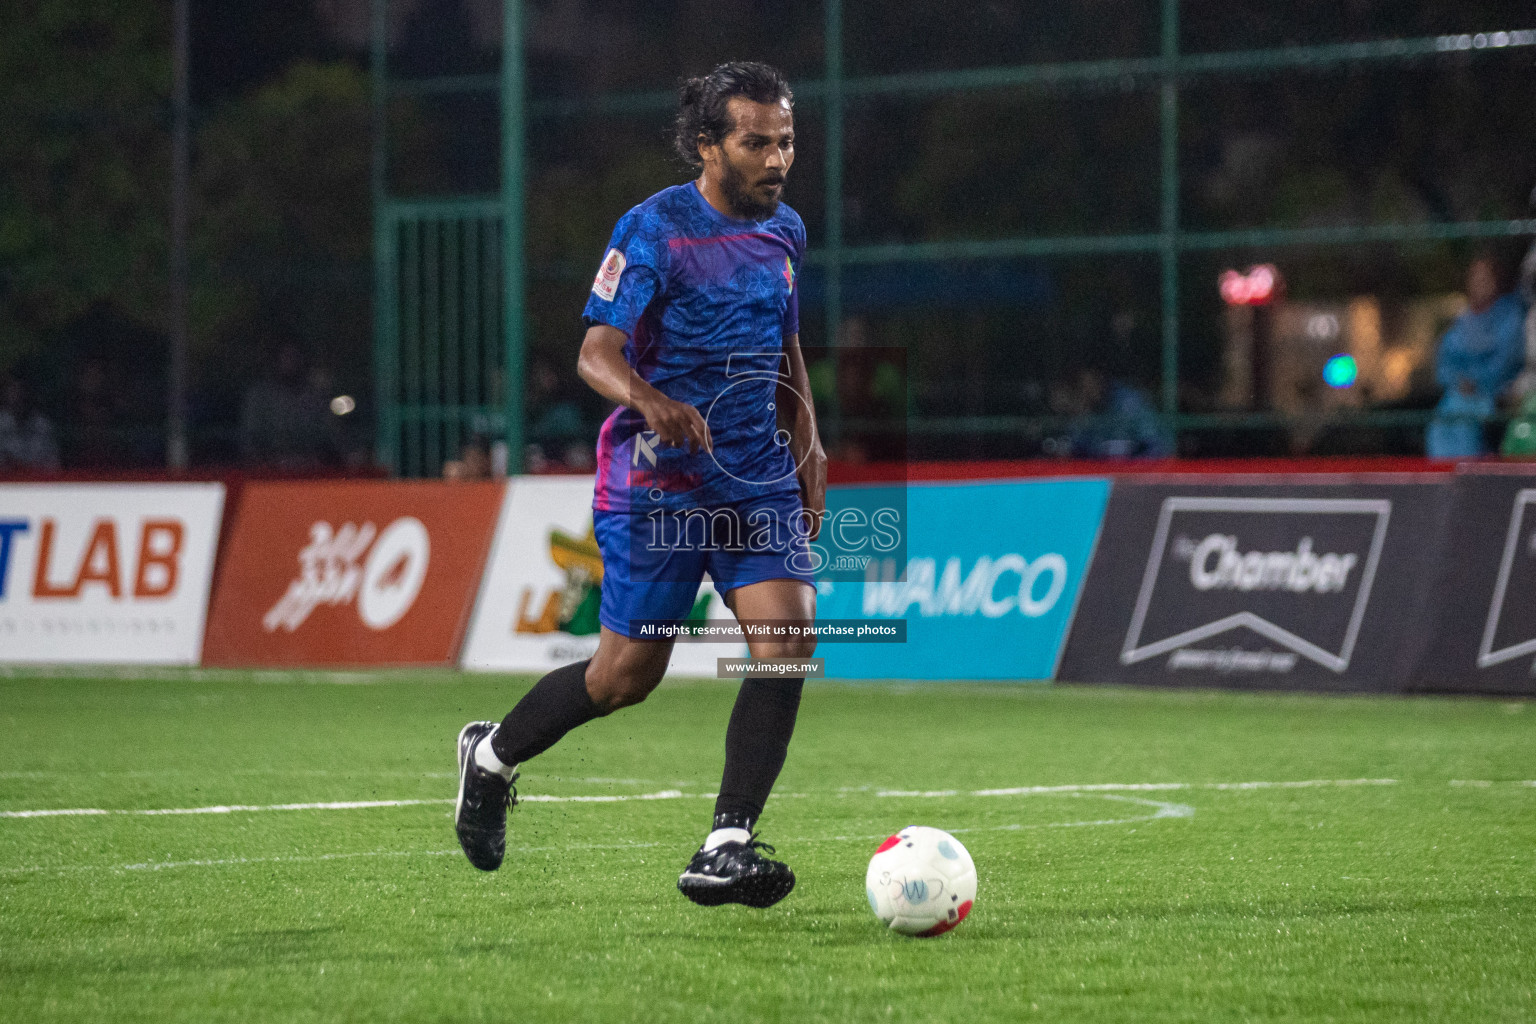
{"x":1480,"y":354}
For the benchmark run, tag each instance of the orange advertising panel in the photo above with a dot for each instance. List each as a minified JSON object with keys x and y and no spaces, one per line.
{"x":351,"y":573}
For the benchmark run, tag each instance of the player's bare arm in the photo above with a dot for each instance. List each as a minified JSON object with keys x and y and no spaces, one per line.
{"x":602,"y":365}
{"x":798,"y":416}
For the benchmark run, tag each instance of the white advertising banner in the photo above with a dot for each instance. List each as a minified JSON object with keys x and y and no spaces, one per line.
{"x":106,"y":573}
{"x":538,"y":601}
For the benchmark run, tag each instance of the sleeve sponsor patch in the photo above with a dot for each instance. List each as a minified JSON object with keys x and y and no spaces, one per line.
{"x":607,"y":284}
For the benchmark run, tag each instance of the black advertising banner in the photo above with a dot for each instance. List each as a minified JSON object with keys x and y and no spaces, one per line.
{"x":1290,"y":584}
{"x":1485,"y":595}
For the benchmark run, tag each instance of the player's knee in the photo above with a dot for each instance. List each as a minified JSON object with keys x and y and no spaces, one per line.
{"x":611,"y":690}
{"x":792,"y":647}
{"x":801,"y":648}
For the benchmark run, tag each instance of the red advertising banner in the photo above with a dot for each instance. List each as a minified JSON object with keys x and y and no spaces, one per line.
{"x":351,"y":573}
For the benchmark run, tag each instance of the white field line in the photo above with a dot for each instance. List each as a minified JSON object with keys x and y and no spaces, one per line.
{"x":1138,"y":787}
{"x":318,"y":773}
{"x":330,"y":805}
{"x":674,"y":794}
{"x":1160,"y":809}
{"x":167,"y":773}
{"x":165,"y":865}
{"x":161,"y":865}
{"x":353,"y":805}
{"x":175,"y":674}
{"x":615,"y":798}
{"x":1486,"y":783}
{"x":1105,"y":791}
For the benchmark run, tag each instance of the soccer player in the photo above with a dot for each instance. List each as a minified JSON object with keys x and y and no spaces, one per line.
{"x":711,"y":463}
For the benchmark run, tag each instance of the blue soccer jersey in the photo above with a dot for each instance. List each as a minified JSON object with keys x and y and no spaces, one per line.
{"x":706,"y":301}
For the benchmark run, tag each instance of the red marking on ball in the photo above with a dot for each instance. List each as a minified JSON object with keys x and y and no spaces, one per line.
{"x":944,"y":926}
{"x":894,"y":840}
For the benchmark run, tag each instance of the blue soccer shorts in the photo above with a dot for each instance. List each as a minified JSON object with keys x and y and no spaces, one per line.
{"x":653,"y":563}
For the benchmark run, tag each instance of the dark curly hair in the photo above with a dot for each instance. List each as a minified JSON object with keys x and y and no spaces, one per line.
{"x":702,"y":112}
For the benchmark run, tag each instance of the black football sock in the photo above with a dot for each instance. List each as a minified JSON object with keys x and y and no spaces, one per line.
{"x":755,"y":744}
{"x":557,"y":704}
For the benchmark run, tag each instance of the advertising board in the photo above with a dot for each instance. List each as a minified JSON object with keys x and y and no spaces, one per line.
{"x":537,"y":608}
{"x":992,"y":573}
{"x":106,"y":573}
{"x":350,"y":573}
{"x":1318,"y":585}
{"x":1484,"y":597}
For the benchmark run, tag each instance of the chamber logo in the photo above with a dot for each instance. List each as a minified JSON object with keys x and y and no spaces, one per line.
{"x":381,"y":572}
{"x":1216,"y":564}
{"x":1296,"y":571}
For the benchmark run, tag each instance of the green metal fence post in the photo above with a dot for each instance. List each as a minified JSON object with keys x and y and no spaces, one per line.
{"x":472,"y":343}
{"x":386,"y":272}
{"x":833,"y":172}
{"x":1169,"y":223}
{"x":514,"y":115}
{"x":407,"y":346}
{"x":833,"y":185}
{"x":452,"y":351}
{"x":421,"y":386}
{"x":429,"y":396}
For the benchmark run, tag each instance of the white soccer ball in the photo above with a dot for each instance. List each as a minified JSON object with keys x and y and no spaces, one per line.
{"x":921,"y":881}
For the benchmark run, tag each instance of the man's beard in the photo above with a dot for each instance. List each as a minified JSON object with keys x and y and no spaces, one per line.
{"x":739,"y":193}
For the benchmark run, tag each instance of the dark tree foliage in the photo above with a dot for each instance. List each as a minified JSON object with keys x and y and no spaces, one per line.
{"x":282,"y":225}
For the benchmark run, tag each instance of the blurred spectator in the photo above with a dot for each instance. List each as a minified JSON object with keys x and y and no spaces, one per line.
{"x":1525,"y":385}
{"x":27,"y":439}
{"x":1119,"y":421}
{"x":1480,"y":354}
{"x":473,"y":463}
{"x":868,"y":383}
{"x":556,"y":437}
{"x":95,"y":419}
{"x":286,"y":421}
{"x":555,"y":418}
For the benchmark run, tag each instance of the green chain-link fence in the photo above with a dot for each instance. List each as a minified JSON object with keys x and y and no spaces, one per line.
{"x":450,"y":331}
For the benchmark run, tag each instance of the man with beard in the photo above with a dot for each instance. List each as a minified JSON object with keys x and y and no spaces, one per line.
{"x":711,"y":464}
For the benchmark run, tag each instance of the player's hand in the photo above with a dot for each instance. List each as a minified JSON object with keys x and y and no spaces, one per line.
{"x":812,"y":473}
{"x":677,"y":423}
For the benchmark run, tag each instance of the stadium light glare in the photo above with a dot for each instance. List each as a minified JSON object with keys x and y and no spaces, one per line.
{"x":1259,"y":287}
{"x":1341,"y":371}
{"x":1323,"y":326}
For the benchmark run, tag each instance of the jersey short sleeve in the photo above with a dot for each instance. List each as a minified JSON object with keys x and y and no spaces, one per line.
{"x":792,"y":307}
{"x":633,"y":272}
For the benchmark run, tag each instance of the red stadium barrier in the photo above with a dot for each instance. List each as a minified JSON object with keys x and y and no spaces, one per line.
{"x":839,"y":472}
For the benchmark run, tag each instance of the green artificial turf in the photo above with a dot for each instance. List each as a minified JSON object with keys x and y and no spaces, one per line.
{"x":1413,"y":899}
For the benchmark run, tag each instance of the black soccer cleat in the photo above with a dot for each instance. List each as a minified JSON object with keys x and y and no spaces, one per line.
{"x":485,"y":799}
{"x":736,"y":873}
